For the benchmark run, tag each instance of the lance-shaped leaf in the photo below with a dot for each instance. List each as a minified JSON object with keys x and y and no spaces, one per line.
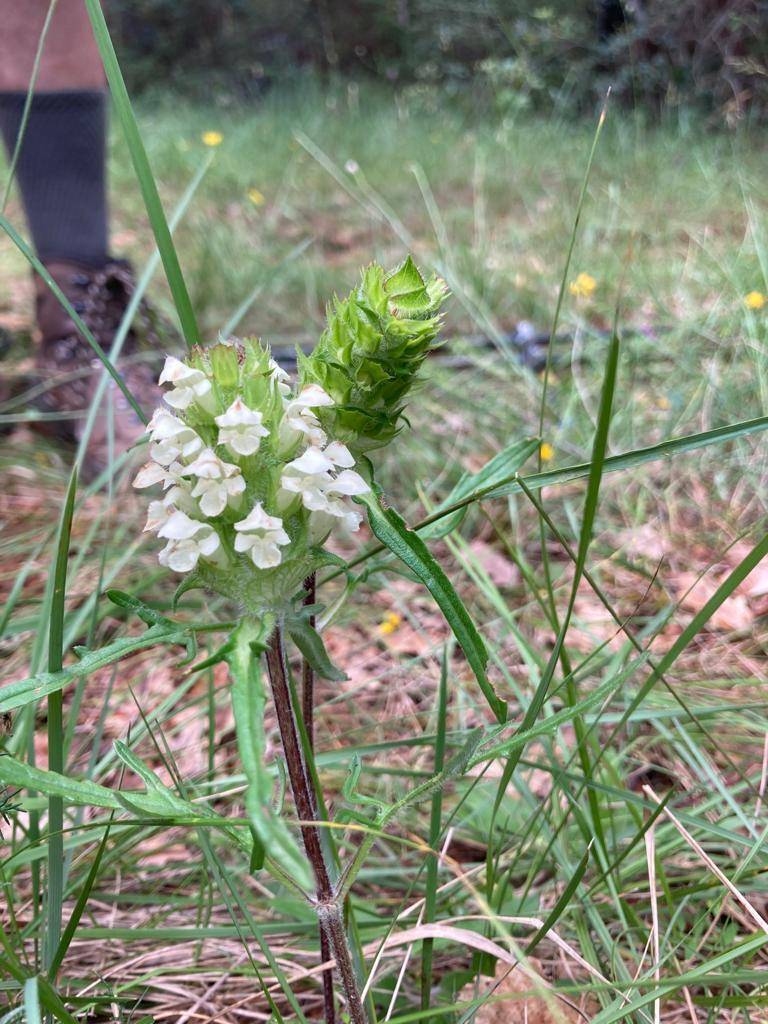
{"x":311,"y":645}
{"x":392,"y":531}
{"x":248,"y":703}
{"x":28,"y":691}
{"x":497,"y":470}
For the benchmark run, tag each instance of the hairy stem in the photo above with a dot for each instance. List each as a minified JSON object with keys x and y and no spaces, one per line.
{"x":328,"y":909}
{"x":308,"y":715}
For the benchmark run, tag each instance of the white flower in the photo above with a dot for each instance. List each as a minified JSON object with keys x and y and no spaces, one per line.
{"x":172,"y":439}
{"x":339,"y":455}
{"x":280,"y":377}
{"x":189,"y":384}
{"x":313,"y":477}
{"x":262,"y":536}
{"x":299,"y":418}
{"x":219,"y":483}
{"x":348,"y":483}
{"x":241,"y":428}
{"x":152,"y":473}
{"x":158,"y":513}
{"x":188,"y":542}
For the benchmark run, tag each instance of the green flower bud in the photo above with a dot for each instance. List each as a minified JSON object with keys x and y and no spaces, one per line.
{"x":370,"y":354}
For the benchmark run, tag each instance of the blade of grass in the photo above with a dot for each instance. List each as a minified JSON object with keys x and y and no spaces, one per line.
{"x":147,"y":184}
{"x":436,"y":811}
{"x":553,"y":477}
{"x":585,"y":537}
{"x":28,"y":103}
{"x":56,"y":728}
{"x":80,"y":904}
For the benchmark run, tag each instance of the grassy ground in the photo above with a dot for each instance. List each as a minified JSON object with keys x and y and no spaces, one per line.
{"x":674,"y":224}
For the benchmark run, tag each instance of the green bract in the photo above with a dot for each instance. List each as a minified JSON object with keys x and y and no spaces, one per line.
{"x":370,"y":354}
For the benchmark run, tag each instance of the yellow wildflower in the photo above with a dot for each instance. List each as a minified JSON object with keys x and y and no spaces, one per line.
{"x":583,"y":287}
{"x":212,"y":138}
{"x":256,"y":197}
{"x":754,"y":300}
{"x":390,"y":623}
{"x":546,"y":451}
{"x":663,"y":403}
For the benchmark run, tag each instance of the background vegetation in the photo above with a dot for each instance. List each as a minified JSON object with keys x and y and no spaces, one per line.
{"x":705,"y":54}
{"x":630,"y":912}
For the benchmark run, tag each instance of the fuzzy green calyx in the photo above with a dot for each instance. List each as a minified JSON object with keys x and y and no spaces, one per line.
{"x":369,"y":356}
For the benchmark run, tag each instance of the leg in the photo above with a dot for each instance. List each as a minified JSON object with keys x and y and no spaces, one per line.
{"x":61,"y":163}
{"x":61,"y":173}
{"x":70,"y":59}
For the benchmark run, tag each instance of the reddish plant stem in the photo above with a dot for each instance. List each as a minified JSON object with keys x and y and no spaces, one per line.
{"x":307,"y":675}
{"x":329,"y":913}
{"x":308,"y":715}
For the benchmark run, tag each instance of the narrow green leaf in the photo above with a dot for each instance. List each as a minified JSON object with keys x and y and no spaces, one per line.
{"x":391,"y":530}
{"x":55,"y":878}
{"x":626,"y":1010}
{"x":147,"y":184}
{"x":27,"y":691}
{"x":248,"y":703}
{"x":31,"y":1002}
{"x":311,"y":645}
{"x":562,"y":904}
{"x":77,"y":911}
{"x":430,"y":887}
{"x":495,"y":471}
{"x":553,"y":477}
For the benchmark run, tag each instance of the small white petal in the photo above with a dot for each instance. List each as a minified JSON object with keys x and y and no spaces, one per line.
{"x":179,"y":527}
{"x":348,"y":482}
{"x":339,"y":455}
{"x":313,"y":396}
{"x":150,"y":473}
{"x":312,"y":461}
{"x":157,"y":513}
{"x":173,"y":370}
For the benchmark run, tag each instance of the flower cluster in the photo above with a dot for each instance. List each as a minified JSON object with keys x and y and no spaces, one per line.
{"x":252,"y":483}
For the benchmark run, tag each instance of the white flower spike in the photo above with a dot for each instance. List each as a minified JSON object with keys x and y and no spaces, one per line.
{"x":261,"y":536}
{"x":189,"y":385}
{"x":241,"y":428}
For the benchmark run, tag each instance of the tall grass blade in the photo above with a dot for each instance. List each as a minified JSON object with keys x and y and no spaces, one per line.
{"x":77,"y":912}
{"x":28,"y":103}
{"x":436,"y":812}
{"x":56,"y":728}
{"x":144,"y":174}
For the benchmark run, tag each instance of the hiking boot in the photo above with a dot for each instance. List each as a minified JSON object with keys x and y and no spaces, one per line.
{"x":70,"y":366}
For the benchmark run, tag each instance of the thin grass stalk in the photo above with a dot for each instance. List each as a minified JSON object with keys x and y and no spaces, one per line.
{"x":28,"y":103}
{"x":328,"y":907}
{"x":307,"y":714}
{"x":436,"y":813}
{"x":55,"y":702}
